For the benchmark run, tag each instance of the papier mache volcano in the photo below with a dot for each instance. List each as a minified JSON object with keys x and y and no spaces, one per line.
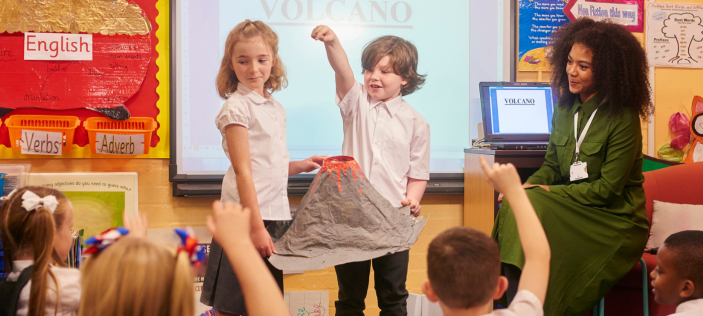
{"x":342,"y":219}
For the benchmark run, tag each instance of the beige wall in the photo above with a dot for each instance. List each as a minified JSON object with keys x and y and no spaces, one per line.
{"x":165,"y":211}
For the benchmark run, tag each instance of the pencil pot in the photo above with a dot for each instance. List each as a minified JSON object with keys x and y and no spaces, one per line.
{"x":128,"y":137}
{"x":42,"y":134}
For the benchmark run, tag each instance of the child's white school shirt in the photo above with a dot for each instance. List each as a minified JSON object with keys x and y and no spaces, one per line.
{"x":525,"y":303}
{"x":689,"y":308}
{"x":265,"y":120}
{"x":389,"y":140}
{"x":69,"y":280}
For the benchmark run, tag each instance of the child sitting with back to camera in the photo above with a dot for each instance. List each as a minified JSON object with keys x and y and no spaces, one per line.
{"x":463,"y":264}
{"x":678,"y":277}
{"x":391,"y":143}
{"x":128,"y":275}
{"x":36,"y":238}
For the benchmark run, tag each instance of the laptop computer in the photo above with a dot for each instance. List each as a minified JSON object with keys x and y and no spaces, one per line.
{"x":517,"y":115}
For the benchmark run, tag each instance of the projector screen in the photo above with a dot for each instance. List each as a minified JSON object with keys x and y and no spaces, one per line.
{"x":439,"y":30}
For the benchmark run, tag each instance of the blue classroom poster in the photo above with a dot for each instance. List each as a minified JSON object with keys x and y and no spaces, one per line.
{"x":537,"y":20}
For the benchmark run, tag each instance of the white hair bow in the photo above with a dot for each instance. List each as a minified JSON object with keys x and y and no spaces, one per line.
{"x":31,"y":201}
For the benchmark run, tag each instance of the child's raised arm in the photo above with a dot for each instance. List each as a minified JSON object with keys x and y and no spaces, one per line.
{"x":535,"y":273}
{"x":229,"y":226}
{"x":343,"y":75}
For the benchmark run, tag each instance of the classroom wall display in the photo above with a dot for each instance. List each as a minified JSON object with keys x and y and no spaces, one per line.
{"x":307,"y":303}
{"x":537,"y":19}
{"x":628,"y":13}
{"x":99,"y":198}
{"x":92,"y":58}
{"x":696,"y":153}
{"x":674,"y":35}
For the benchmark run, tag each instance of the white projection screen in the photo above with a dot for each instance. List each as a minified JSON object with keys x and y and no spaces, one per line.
{"x":439,"y":29}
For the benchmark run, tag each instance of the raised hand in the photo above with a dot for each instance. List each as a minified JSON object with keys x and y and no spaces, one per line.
{"x":323,"y":33}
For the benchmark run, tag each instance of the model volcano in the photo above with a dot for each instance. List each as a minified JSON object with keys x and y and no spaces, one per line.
{"x":344,"y":219}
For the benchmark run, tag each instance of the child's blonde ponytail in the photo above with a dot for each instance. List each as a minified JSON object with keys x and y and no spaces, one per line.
{"x":182,"y":287}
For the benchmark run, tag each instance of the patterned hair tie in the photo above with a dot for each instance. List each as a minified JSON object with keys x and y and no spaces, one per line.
{"x":99,"y":242}
{"x":189,"y":244}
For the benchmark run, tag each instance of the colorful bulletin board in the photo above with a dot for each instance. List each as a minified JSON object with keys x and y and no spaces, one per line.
{"x":675,"y":35}
{"x":126,"y":74}
{"x":537,"y":19}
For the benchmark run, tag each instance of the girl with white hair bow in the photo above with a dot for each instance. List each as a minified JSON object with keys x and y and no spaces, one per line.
{"x":36,"y":237}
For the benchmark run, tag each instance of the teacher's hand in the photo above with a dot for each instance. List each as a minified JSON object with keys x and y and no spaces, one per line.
{"x":525,"y":186}
{"x":546,"y":187}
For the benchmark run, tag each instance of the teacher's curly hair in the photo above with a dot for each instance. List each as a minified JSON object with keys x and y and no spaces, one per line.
{"x":619,"y":65}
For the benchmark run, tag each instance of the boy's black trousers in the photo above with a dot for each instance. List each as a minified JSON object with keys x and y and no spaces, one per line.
{"x":390,"y":273}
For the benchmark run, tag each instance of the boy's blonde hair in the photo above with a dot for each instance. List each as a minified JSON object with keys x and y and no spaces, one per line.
{"x":36,"y":229}
{"x":227,"y":80}
{"x":136,"y":277}
{"x":403,"y":59}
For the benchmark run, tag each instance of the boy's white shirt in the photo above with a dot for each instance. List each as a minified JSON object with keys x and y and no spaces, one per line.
{"x":525,"y":303}
{"x":265,"y":121}
{"x":69,"y":280}
{"x":689,"y":308}
{"x":389,"y":140}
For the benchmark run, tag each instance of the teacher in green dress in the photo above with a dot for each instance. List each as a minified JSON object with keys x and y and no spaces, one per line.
{"x":588,"y":193}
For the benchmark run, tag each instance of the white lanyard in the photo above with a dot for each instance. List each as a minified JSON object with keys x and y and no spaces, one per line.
{"x":579,"y":140}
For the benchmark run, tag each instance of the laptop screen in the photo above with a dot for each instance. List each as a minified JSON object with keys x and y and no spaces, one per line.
{"x":513,"y":109}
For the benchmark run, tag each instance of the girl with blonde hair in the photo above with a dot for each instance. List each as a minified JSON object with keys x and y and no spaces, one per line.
{"x":36,"y":237}
{"x":136,"y":277}
{"x":253,"y":128}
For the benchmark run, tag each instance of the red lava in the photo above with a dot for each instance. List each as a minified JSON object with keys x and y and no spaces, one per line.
{"x":339,"y":164}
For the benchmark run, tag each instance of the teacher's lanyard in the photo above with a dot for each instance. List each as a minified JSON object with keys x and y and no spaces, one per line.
{"x":579,"y":140}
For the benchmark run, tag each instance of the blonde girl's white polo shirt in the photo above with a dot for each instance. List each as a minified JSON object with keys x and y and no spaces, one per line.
{"x":265,"y":120}
{"x":389,"y":140}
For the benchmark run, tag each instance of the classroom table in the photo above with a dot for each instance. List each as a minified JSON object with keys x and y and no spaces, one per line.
{"x":480,"y":200}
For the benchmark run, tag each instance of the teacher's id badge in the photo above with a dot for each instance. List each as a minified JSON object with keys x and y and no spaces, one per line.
{"x":579,"y":171}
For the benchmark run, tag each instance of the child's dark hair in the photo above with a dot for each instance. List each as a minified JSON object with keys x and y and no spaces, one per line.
{"x":463,"y":265}
{"x":403,"y":60}
{"x":686,"y":248}
{"x":619,"y":65}
{"x":35,"y":230}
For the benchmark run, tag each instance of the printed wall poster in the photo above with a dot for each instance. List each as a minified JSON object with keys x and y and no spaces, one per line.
{"x":675,"y":35}
{"x":628,"y":13}
{"x":99,"y":198}
{"x":537,"y":20}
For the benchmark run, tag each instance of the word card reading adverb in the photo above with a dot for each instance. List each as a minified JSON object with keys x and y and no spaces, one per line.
{"x":58,"y":46}
{"x":41,"y":142}
{"x":113,"y":144}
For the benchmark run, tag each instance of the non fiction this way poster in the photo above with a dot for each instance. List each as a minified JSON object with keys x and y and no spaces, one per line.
{"x":675,"y":35}
{"x":537,"y":20}
{"x":628,"y":13}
